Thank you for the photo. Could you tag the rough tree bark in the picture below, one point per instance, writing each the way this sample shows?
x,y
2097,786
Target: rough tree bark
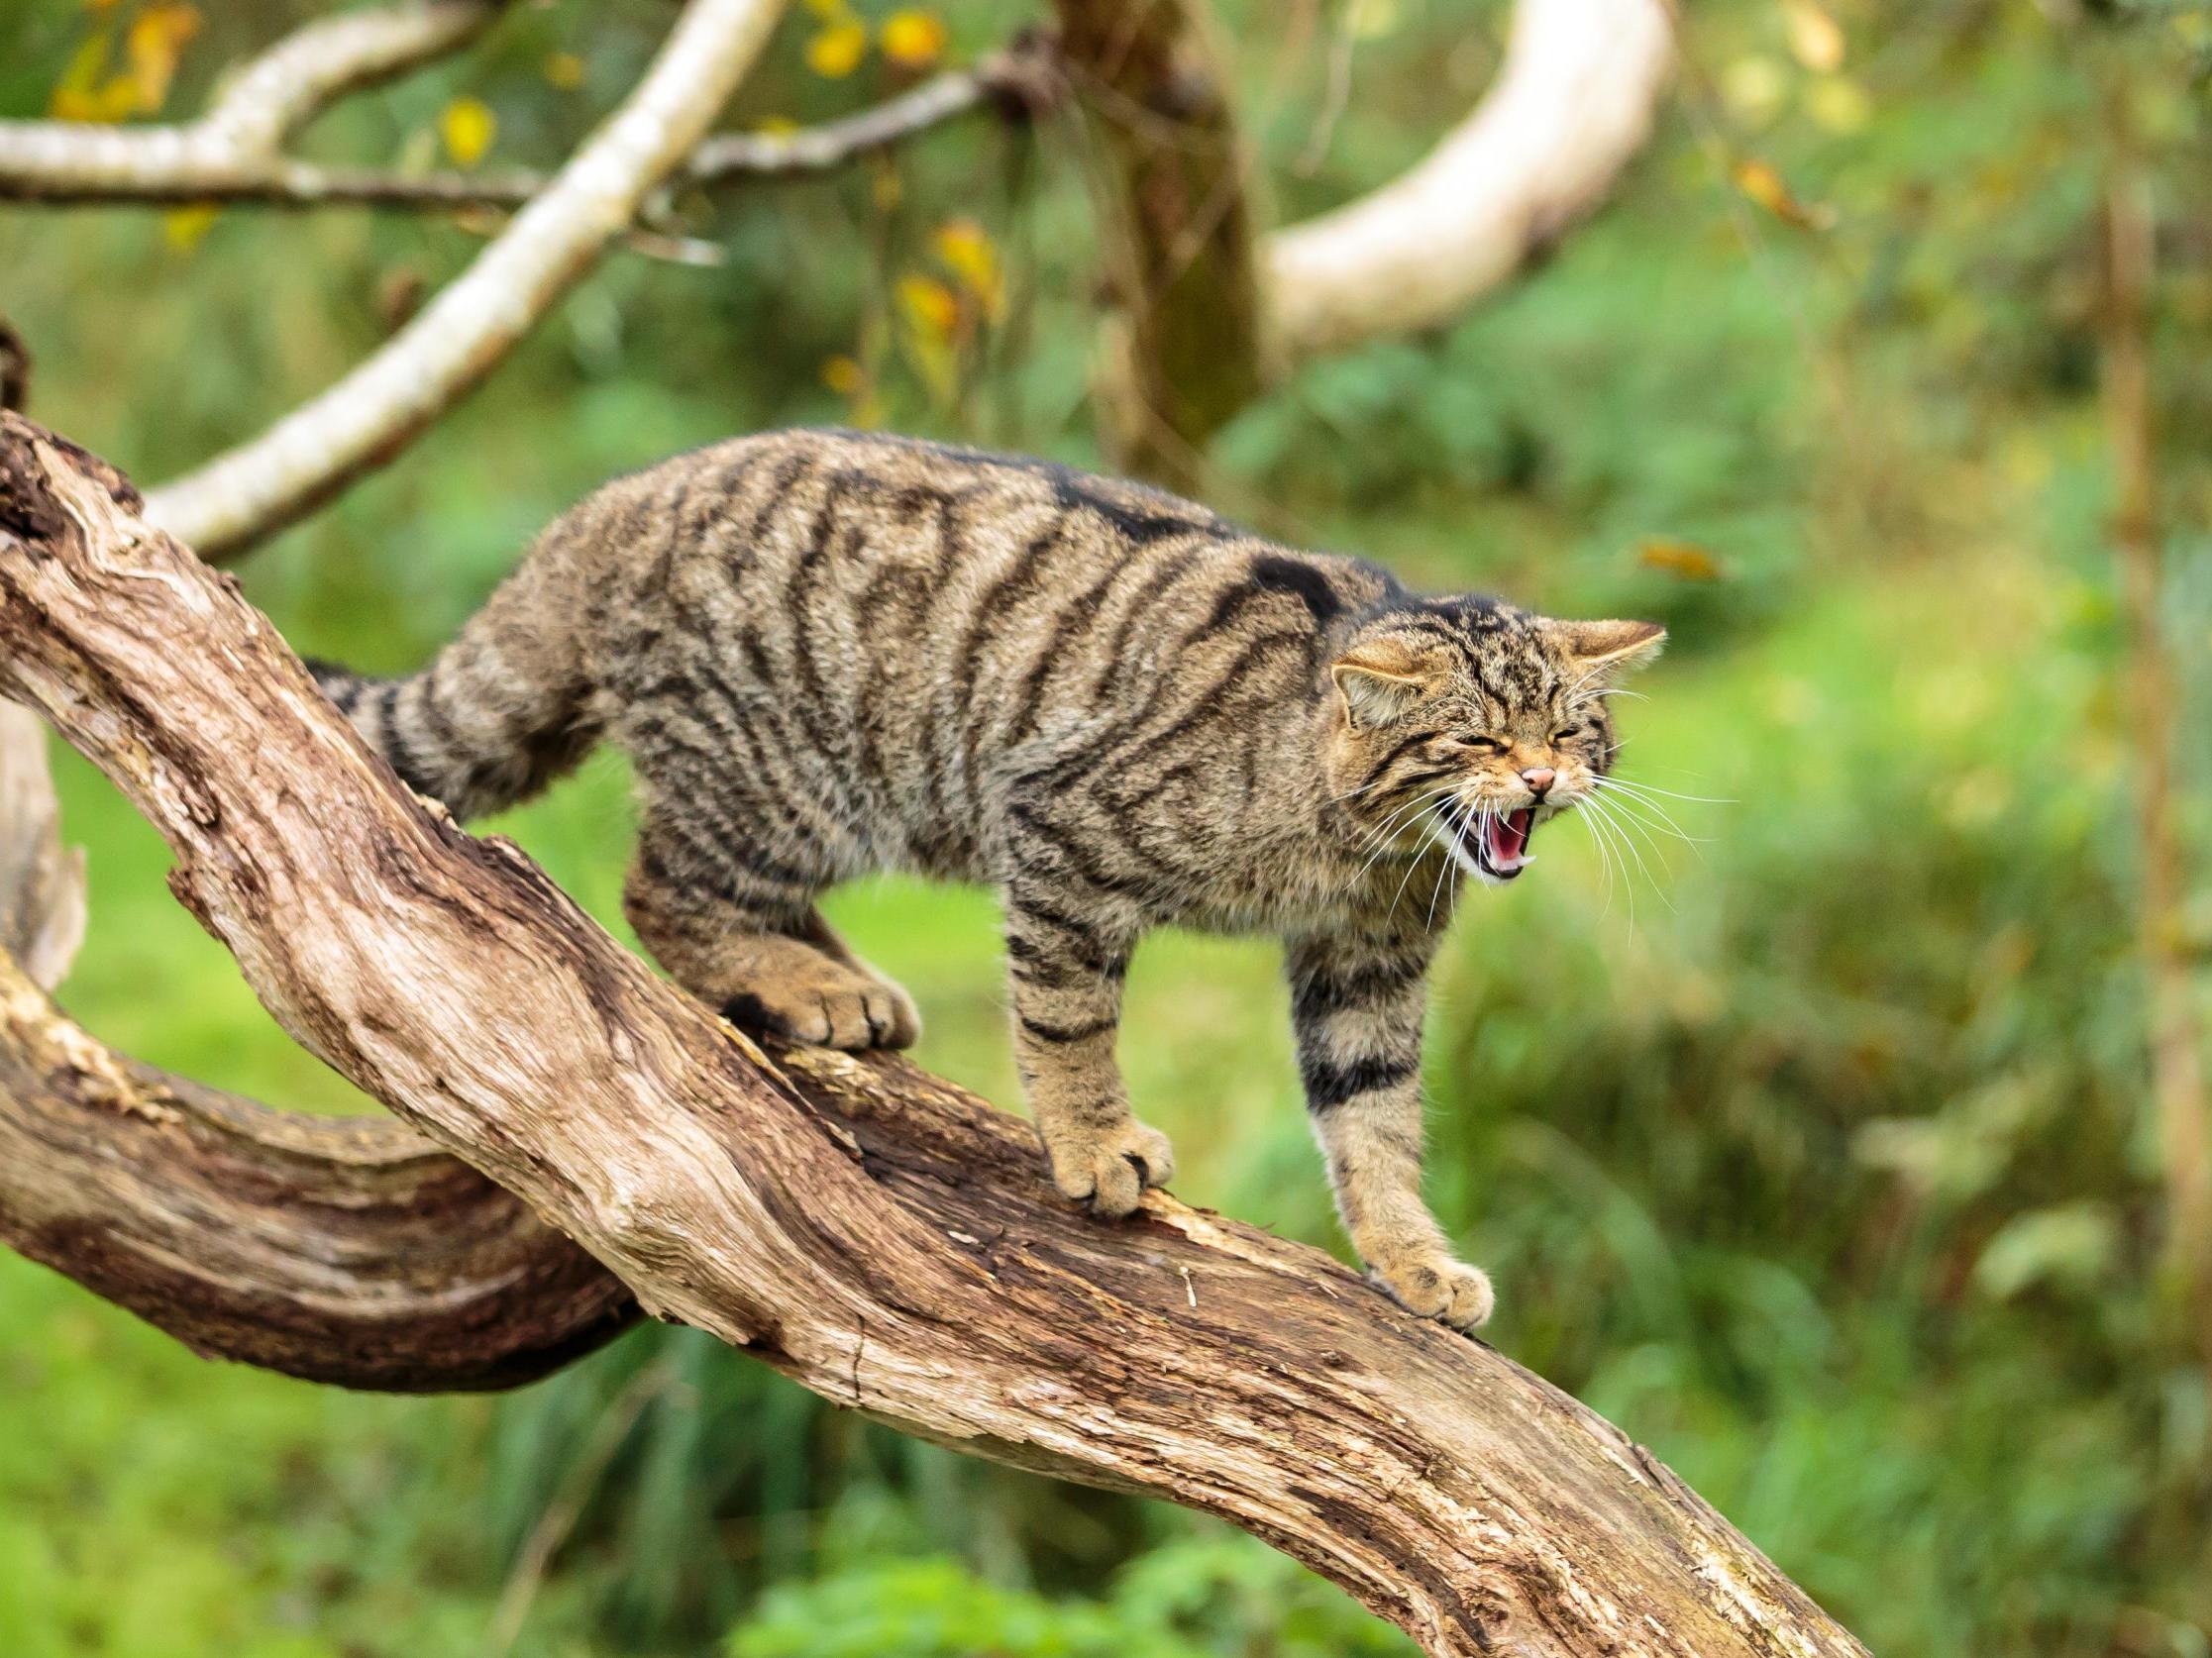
x,y
1182,352
348,1251
879,1235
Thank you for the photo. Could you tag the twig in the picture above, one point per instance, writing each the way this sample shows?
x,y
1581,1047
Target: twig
x,y
64,164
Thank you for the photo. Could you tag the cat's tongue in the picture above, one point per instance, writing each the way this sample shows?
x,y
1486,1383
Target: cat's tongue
x,y
1509,839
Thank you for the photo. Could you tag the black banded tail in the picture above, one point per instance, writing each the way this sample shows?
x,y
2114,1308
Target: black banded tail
x,y
501,712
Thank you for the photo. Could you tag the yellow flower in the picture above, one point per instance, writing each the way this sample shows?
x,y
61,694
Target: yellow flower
x,y
914,40
835,52
843,375
564,69
468,127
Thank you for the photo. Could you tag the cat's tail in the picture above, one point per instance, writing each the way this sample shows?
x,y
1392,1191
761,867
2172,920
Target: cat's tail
x,y
502,711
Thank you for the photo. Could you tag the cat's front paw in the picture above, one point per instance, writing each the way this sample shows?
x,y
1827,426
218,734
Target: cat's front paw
x,y
1436,1287
1109,1168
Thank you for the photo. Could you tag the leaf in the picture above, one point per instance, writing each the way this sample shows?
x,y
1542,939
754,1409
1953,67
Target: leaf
x,y
1816,39
835,52
966,250
1682,559
932,312
1372,20
468,128
2070,1244
914,40
1758,180
1753,88
930,308
185,228
74,96
157,39
1839,104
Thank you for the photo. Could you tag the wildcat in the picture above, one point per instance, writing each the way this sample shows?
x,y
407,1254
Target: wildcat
x,y
833,653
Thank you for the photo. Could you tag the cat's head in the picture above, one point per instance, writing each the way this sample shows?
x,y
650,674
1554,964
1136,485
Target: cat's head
x,y
1466,723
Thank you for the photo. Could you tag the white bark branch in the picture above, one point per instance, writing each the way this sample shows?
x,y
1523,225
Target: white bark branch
x,y
463,334
59,164
1573,101
234,145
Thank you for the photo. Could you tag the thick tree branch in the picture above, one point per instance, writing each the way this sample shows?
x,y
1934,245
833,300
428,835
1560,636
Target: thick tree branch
x,y
234,148
880,1236
1573,102
463,333
348,1251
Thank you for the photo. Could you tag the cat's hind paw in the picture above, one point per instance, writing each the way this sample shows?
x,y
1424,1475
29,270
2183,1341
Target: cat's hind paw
x,y
1109,1168
830,1005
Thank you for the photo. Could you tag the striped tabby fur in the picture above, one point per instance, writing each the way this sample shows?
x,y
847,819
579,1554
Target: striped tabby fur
x,y
830,653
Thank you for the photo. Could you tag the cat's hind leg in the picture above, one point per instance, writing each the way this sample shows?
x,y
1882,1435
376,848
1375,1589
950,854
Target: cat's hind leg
x,y
743,935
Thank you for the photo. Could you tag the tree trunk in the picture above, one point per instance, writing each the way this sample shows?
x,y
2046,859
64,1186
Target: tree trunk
x,y
879,1235
1183,349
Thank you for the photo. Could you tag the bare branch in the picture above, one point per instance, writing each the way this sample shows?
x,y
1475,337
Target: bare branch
x,y
1572,103
880,1236
1018,79
463,334
234,146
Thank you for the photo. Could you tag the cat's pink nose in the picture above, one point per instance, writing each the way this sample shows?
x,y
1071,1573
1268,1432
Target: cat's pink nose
x,y
1539,779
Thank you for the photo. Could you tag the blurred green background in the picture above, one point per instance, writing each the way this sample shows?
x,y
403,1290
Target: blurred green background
x,y
1815,1151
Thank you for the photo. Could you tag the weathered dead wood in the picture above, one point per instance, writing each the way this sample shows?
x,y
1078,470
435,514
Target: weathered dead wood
x,y
341,1250
873,1233
348,1251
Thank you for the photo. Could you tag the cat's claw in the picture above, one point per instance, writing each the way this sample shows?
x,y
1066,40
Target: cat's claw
x,y
1439,1288
1109,1169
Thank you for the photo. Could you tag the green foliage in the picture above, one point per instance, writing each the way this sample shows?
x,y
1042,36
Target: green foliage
x,y
1814,1153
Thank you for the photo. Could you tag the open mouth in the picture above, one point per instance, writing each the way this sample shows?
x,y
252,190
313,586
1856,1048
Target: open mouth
x,y
1497,842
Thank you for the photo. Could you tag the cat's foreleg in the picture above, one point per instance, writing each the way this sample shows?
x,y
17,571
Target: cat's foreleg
x,y
1357,1004
1066,972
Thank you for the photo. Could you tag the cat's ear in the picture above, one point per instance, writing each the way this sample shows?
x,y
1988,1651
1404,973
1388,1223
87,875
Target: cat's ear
x,y
1378,685
1611,648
